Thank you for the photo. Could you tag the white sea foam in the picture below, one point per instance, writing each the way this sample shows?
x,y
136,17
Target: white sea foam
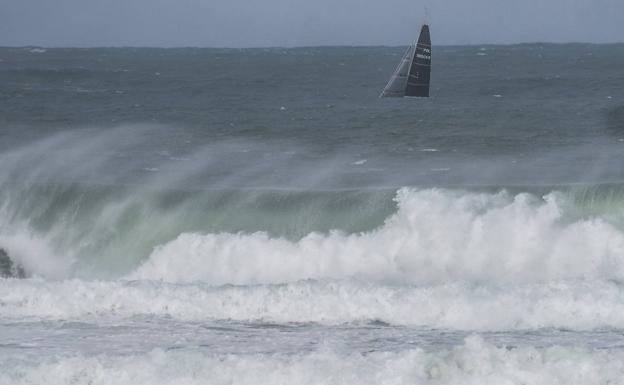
x,y
474,362
574,305
436,236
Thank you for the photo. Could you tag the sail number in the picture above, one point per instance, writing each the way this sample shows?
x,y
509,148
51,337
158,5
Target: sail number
x,y
426,54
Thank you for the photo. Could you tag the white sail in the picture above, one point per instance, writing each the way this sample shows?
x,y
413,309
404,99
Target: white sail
x,y
398,82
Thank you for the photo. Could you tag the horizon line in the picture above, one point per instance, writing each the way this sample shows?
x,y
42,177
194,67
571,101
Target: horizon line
x,y
296,47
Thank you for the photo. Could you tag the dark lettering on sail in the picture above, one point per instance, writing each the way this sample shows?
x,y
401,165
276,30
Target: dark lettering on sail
x,y
420,70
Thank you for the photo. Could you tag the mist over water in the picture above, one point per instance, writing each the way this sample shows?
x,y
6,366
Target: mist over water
x,y
62,200
178,223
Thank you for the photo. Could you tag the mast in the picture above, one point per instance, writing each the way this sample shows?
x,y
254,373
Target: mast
x,y
420,70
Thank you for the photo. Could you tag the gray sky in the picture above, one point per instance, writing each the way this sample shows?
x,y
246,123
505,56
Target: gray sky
x,y
261,23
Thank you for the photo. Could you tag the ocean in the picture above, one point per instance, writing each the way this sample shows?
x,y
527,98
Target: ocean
x,y
261,216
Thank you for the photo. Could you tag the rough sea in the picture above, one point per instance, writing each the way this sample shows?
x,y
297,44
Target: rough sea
x,y
260,216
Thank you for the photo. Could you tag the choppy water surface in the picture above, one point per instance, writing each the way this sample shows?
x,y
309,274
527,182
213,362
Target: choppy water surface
x,y
260,216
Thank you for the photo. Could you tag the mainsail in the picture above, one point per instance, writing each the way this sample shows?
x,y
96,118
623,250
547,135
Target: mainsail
x,y
411,78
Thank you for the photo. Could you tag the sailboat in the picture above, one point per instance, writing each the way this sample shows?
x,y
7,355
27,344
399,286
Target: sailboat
x,y
411,78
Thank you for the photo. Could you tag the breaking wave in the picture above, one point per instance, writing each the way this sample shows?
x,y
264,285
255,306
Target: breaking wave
x,y
436,236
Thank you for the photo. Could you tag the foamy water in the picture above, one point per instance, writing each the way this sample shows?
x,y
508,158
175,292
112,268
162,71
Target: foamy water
x,y
473,362
575,305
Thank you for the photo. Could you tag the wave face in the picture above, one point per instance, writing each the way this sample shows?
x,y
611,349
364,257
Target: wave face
x,y
473,362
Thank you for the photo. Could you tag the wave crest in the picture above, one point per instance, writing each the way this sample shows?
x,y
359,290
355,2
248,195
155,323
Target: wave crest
x,y
436,236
